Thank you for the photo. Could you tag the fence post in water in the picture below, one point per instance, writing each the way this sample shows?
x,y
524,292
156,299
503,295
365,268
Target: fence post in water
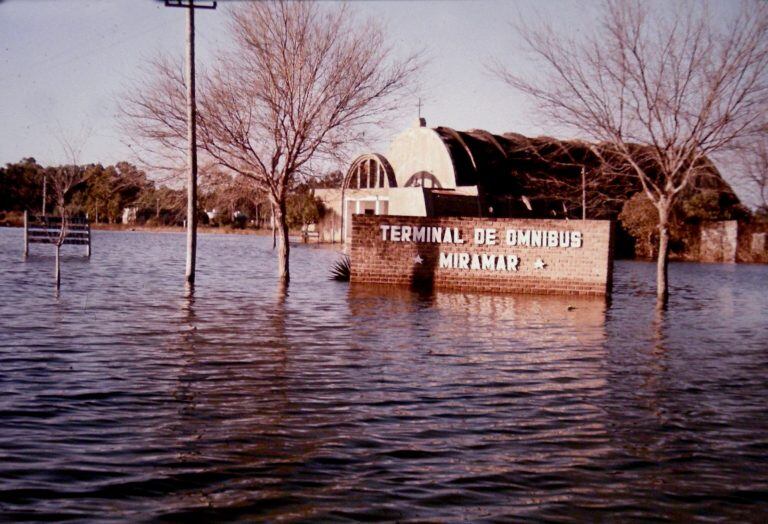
x,y
26,235
57,273
88,229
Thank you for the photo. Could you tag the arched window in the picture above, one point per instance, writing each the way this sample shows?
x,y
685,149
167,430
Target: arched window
x,y
370,171
423,179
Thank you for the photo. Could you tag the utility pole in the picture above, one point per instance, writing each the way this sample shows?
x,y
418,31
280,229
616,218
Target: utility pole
x,y
45,183
190,6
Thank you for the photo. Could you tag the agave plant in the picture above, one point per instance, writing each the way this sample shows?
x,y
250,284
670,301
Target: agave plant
x,y
342,269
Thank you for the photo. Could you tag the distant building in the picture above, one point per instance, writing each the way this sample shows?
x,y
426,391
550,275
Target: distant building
x,y
443,172
129,214
419,176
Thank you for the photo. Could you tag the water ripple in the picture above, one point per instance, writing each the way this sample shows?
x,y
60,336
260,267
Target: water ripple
x,y
122,399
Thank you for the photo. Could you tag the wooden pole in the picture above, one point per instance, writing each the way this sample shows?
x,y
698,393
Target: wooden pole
x,y
57,271
26,234
45,183
192,149
88,229
343,218
191,222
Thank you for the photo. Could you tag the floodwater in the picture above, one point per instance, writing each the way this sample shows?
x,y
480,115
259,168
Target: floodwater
x,y
124,400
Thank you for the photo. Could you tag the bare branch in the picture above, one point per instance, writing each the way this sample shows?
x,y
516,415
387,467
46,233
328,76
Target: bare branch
x,y
305,81
661,90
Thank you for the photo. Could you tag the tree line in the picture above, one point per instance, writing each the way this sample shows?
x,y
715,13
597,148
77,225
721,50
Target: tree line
x,y
104,192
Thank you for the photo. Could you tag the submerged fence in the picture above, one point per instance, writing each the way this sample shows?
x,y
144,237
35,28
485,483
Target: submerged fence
x,y
47,229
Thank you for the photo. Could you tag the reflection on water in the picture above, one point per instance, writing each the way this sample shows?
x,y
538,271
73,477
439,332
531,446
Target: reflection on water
x,y
129,398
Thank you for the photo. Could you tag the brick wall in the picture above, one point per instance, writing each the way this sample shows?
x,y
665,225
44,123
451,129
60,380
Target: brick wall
x,y
584,270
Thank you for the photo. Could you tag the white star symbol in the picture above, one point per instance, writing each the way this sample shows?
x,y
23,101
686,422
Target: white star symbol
x,y
539,264
417,259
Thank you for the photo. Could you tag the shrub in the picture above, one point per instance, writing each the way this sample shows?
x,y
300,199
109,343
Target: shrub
x,y
342,269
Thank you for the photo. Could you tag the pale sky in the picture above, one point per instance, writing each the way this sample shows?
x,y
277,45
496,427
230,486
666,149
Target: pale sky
x,y
64,62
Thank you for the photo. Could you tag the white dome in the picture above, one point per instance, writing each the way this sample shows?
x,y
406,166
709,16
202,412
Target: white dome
x,y
419,158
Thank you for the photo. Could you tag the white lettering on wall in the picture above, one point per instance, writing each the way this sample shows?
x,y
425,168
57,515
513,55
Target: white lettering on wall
x,y
419,234
395,233
479,236
405,234
576,239
485,236
447,237
482,236
437,234
542,238
457,237
479,261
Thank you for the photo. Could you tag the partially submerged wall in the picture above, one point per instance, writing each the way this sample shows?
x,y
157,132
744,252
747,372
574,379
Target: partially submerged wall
x,y
329,226
719,241
500,255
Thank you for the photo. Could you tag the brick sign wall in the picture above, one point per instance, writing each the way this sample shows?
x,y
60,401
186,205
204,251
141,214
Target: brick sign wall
x,y
502,255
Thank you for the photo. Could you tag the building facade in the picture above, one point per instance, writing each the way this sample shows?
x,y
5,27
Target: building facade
x,y
417,177
441,172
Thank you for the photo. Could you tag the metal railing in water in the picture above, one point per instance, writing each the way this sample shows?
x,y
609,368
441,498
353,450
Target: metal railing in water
x,y
47,229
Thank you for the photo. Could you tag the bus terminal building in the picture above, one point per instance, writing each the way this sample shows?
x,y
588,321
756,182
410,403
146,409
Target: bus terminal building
x,y
441,172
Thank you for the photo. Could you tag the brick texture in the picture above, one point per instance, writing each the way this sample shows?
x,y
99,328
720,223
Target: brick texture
x,y
584,270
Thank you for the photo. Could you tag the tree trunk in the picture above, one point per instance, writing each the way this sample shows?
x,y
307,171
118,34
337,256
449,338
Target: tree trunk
x,y
274,227
283,247
649,245
662,262
57,271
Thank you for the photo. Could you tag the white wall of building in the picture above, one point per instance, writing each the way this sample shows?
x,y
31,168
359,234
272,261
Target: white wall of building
x,y
421,150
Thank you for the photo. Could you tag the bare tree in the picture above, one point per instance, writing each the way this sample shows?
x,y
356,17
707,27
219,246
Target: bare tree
x,y
663,89
224,193
304,81
570,174
755,170
62,180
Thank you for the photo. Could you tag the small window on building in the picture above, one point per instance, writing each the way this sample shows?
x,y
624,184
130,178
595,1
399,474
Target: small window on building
x,y
423,179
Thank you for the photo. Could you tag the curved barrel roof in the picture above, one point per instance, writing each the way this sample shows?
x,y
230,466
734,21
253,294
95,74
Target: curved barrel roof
x,y
544,169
